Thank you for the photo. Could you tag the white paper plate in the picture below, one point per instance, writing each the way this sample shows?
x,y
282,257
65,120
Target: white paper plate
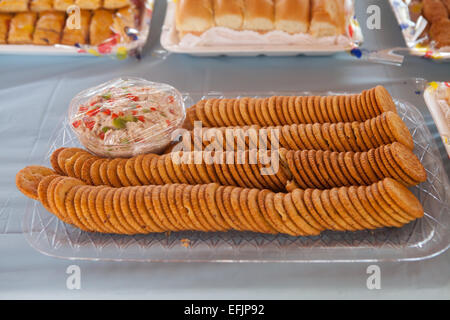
x,y
170,42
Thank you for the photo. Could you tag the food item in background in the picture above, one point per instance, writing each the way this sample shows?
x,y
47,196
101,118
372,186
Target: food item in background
x,y
5,20
209,208
294,109
72,36
259,15
125,23
434,10
229,13
62,5
27,179
13,5
194,16
126,116
22,28
41,5
48,28
89,4
101,26
440,32
292,16
116,4
327,18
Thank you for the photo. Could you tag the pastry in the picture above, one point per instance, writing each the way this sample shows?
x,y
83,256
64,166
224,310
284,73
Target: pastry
x,y
89,4
5,20
62,5
100,29
115,4
13,5
124,24
72,35
22,28
49,28
41,5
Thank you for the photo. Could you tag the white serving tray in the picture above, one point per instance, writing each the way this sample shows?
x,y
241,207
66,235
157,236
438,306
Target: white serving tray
x,y
439,118
170,41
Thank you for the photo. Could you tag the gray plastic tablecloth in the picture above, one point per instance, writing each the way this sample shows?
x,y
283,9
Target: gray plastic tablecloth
x,y
34,95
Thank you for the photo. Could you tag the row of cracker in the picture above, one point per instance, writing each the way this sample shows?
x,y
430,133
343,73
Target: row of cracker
x,y
293,169
279,110
349,136
211,207
324,170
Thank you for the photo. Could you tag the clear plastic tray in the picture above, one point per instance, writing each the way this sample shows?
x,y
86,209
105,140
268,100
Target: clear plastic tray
x,y
170,41
425,238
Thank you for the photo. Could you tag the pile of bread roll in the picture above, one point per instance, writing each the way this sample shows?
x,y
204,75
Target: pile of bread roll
x,y
45,22
318,17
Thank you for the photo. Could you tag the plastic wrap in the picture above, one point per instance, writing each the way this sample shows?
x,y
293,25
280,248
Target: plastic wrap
x,y
125,41
415,30
219,40
437,98
126,117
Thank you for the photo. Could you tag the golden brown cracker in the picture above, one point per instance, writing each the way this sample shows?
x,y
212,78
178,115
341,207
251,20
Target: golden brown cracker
x,y
127,213
350,208
350,166
374,202
78,165
280,208
145,210
27,179
339,218
339,207
65,155
384,100
121,173
61,188
272,215
131,173
335,138
361,194
336,168
342,109
399,130
403,198
54,161
315,197
94,172
112,173
42,190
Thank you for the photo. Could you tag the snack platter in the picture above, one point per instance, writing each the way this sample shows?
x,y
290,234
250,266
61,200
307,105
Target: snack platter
x,y
114,46
415,30
170,41
423,238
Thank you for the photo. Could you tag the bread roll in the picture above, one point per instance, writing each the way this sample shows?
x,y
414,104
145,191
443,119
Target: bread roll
x,y
292,16
5,19
328,18
21,28
229,13
73,36
259,15
194,16
49,28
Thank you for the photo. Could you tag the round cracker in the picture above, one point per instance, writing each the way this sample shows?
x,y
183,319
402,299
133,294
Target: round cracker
x,y
27,179
54,161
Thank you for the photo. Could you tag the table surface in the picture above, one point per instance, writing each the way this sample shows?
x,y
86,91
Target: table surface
x,y
34,95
